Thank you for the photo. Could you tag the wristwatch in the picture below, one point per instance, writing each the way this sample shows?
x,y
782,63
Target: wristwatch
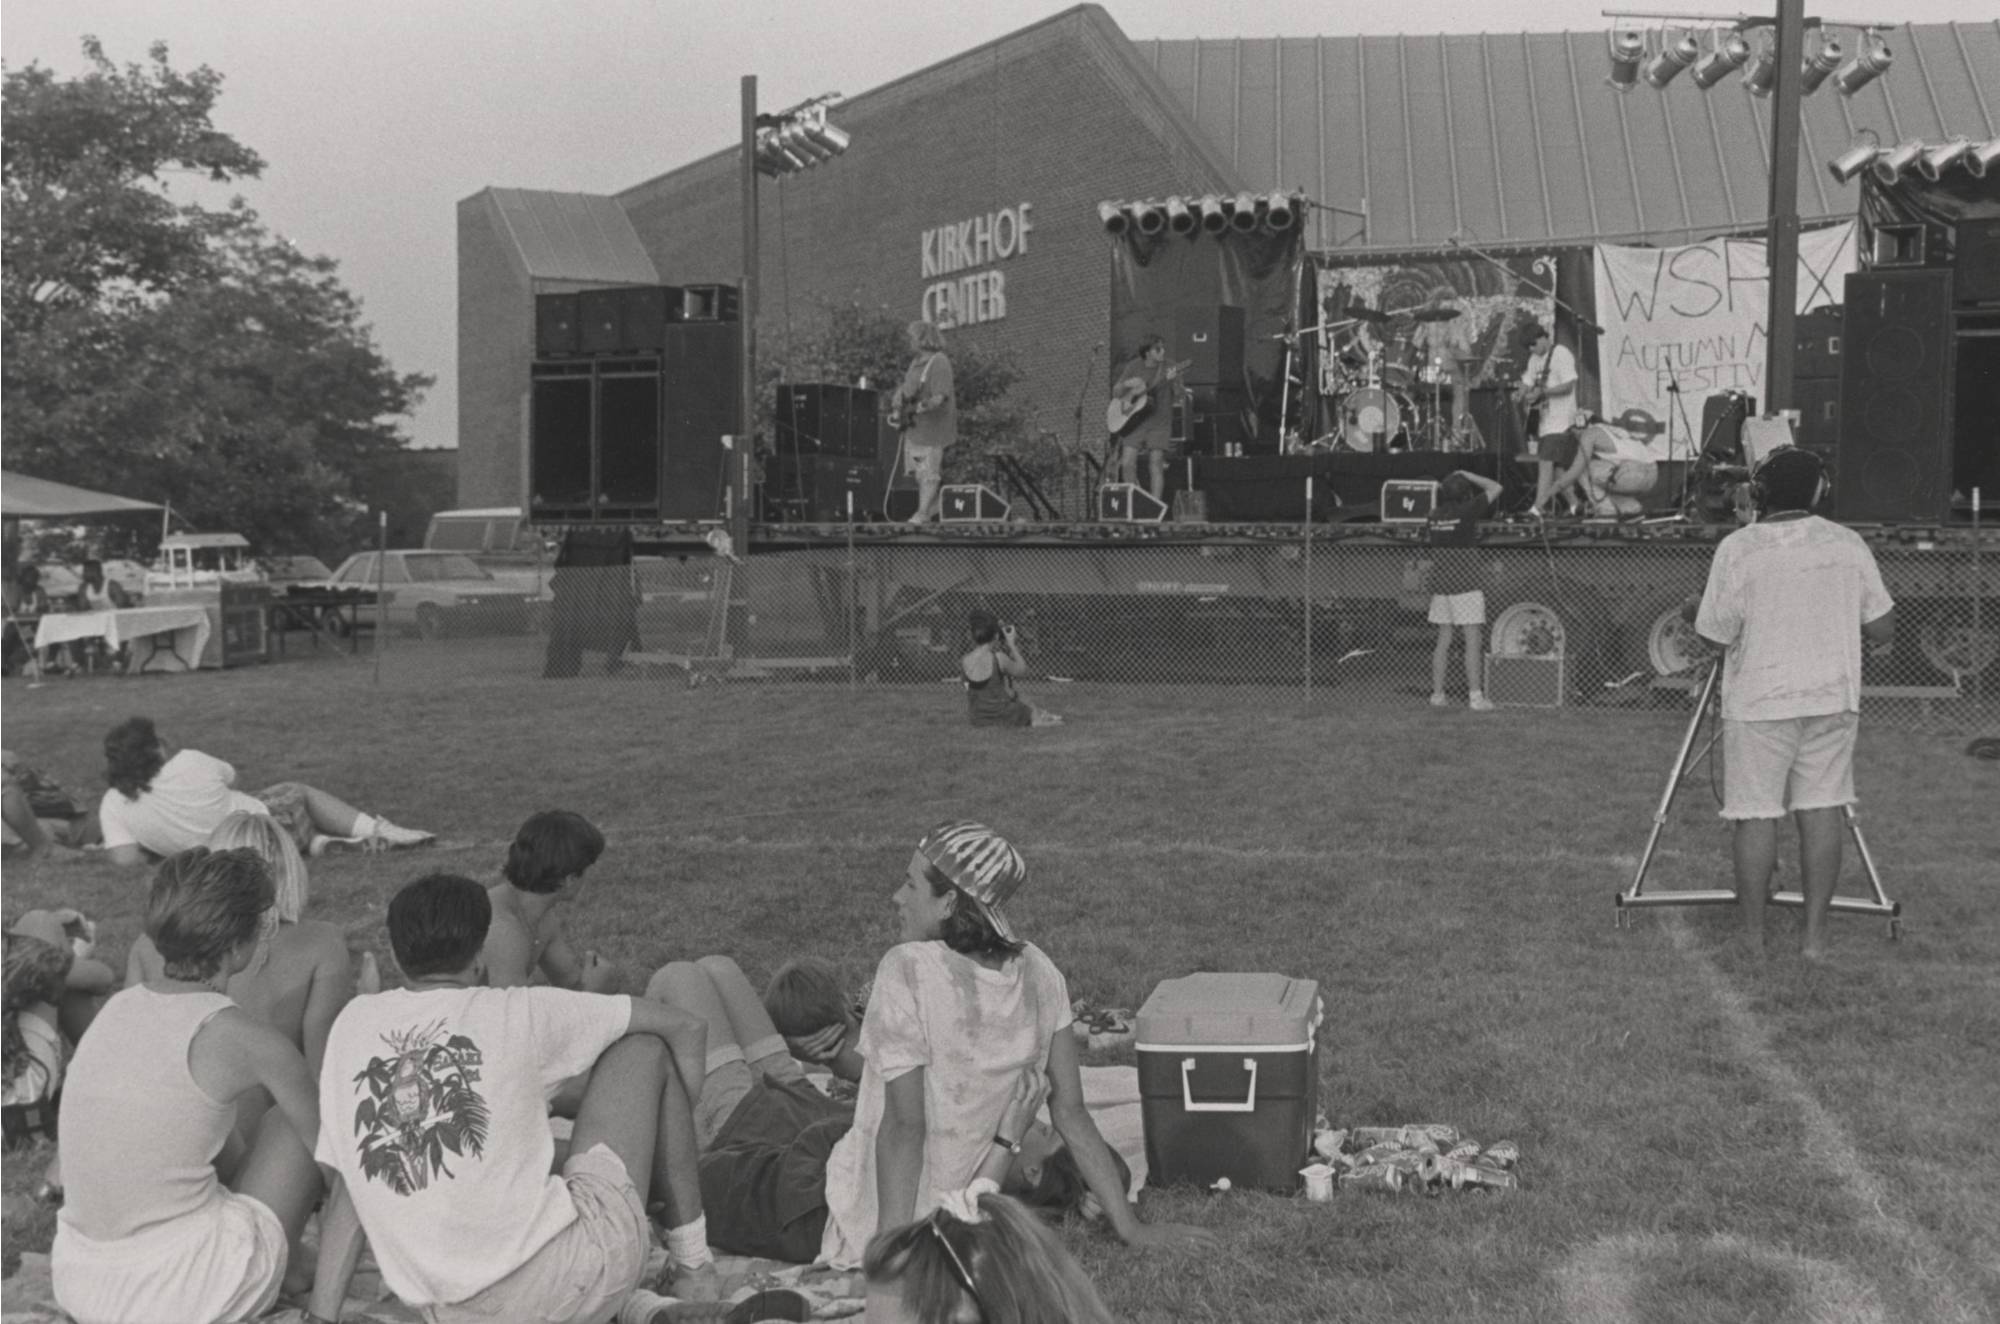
x,y
1011,1146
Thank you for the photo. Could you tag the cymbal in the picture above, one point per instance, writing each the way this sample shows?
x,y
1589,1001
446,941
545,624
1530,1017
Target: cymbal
x,y
1435,314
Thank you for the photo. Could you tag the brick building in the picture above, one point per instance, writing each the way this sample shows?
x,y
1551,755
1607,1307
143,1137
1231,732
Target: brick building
x,y
1006,150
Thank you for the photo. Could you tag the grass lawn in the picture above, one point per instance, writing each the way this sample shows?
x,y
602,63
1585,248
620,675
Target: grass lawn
x,y
1705,1136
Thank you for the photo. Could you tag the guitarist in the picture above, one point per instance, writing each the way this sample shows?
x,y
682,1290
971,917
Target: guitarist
x,y
1146,384
1547,395
925,412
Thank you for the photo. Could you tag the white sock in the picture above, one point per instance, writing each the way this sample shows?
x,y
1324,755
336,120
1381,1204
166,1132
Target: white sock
x,y
364,825
639,1307
687,1245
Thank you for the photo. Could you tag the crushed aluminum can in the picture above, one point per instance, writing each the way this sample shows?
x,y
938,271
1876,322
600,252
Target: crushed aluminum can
x,y
1380,1177
1463,1152
1501,1154
1478,1177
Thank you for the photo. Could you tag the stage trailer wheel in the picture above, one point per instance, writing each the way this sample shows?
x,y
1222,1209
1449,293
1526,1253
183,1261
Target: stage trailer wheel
x,y
1541,619
1661,642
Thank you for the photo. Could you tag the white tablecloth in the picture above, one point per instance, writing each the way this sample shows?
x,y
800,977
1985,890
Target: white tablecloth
x,y
163,638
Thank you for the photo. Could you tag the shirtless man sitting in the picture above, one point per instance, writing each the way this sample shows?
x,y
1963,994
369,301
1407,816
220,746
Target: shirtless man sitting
x,y
545,867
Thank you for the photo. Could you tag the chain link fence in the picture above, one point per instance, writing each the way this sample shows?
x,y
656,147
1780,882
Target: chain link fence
x,y
1583,616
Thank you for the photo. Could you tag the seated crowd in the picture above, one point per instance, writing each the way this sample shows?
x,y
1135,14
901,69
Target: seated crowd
x,y
239,1081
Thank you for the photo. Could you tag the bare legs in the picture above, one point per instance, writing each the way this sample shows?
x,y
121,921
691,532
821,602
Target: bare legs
x,y
1756,855
1129,457
279,1173
1474,636
739,1029
331,816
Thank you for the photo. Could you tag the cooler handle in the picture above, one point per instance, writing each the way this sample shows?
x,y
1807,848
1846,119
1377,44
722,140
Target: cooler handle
x,y
1249,1104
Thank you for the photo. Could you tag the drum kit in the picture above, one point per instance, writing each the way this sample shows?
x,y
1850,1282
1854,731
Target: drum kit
x,y
1387,395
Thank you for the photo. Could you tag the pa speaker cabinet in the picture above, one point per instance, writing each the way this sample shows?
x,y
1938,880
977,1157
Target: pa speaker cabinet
x,y
1817,339
624,319
1210,338
1895,397
701,376
1907,244
817,487
706,303
628,451
1818,401
971,503
1128,503
562,408
556,327
1515,680
1977,262
1408,500
829,419
1216,420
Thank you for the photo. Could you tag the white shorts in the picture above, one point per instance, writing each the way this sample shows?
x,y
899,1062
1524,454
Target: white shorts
x,y
921,462
224,1263
1770,769
1459,608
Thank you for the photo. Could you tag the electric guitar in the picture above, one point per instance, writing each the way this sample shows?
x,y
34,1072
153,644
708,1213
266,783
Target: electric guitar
x,y
909,405
1134,399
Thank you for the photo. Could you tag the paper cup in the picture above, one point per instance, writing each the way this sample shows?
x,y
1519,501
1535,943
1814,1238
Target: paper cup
x,y
1319,1182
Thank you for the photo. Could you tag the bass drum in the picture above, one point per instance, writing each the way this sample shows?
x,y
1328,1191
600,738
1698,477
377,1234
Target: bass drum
x,y
1371,416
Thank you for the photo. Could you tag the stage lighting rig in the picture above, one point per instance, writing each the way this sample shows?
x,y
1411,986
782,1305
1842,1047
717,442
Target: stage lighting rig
x,y
1855,159
798,139
1820,62
1731,53
1671,58
1889,165
1762,74
1982,158
1936,160
1628,50
1869,63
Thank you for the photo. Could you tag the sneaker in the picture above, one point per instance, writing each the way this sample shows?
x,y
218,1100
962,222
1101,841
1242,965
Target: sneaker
x,y
1479,703
1440,700
322,845
397,838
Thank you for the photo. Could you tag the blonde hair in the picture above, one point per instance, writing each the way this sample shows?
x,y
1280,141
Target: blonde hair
x,y
1018,1268
925,335
261,833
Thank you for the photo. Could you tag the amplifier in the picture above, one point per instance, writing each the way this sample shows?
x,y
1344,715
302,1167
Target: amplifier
x,y
1515,680
970,503
1408,500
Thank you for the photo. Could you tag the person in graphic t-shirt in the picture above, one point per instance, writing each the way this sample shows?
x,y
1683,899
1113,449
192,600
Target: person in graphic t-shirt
x,y
1458,595
437,1128
1548,389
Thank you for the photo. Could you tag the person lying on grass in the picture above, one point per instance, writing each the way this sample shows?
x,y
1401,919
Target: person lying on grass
x,y
164,800
959,1009
439,1137
170,1212
300,978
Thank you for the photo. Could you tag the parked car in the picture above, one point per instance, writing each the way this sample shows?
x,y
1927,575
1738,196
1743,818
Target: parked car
x,y
435,593
284,571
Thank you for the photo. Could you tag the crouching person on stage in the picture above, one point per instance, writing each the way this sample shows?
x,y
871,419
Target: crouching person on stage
x,y
169,1213
437,1129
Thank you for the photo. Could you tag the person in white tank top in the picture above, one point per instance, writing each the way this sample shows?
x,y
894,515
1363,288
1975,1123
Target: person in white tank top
x,y
169,1213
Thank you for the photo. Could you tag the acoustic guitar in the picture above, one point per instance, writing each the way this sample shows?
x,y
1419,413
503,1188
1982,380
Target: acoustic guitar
x,y
1134,400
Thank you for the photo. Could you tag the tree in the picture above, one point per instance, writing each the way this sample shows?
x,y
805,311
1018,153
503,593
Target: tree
x,y
169,350
849,342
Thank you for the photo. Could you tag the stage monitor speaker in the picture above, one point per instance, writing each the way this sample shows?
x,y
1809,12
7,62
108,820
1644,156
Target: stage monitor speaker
x,y
562,398
1409,500
1907,244
626,319
1722,416
1127,503
971,503
556,327
1977,262
628,438
1817,338
701,377
1895,397
826,419
1210,338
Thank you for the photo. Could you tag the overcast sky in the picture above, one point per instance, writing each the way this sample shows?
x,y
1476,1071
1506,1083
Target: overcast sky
x,y
376,116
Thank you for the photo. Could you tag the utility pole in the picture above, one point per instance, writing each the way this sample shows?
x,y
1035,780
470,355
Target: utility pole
x,y
740,455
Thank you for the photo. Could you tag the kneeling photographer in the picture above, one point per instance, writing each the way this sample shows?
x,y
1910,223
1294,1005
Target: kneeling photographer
x,y
989,671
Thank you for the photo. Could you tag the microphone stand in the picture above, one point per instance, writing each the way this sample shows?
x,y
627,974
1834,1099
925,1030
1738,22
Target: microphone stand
x,y
1083,392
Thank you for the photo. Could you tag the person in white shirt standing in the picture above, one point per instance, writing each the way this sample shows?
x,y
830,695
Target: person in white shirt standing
x,y
435,1100
1791,598
1547,389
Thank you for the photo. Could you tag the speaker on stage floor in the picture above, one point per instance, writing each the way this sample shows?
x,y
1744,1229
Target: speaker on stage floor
x,y
701,379
561,410
971,503
1978,262
594,439
1895,397
1128,503
829,419
814,489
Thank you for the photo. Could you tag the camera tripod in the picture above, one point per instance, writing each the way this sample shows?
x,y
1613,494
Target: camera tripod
x,y
1707,714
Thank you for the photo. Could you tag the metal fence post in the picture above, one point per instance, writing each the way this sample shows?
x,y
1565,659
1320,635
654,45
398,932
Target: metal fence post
x,y
1306,559
1978,597
853,598
381,598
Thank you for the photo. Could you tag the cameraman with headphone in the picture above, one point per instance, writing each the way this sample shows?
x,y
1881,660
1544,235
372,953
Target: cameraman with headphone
x,y
1791,597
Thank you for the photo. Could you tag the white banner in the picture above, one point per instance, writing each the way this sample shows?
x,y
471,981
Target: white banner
x,y
1691,321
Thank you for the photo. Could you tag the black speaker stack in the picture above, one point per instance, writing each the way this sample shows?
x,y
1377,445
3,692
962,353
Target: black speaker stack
x,y
1819,336
1209,338
829,443
631,392
1895,454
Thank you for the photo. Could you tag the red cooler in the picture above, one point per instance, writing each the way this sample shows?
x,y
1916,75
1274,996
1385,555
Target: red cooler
x,y
1229,1079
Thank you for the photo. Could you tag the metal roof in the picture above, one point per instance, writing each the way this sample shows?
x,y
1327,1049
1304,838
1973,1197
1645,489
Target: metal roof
x,y
573,237
1516,138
